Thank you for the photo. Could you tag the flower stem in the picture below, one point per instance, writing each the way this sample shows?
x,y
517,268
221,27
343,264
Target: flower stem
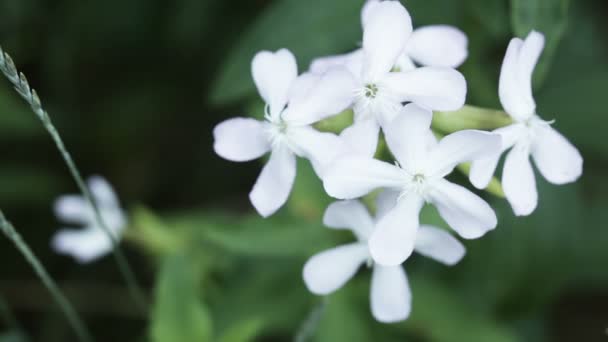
x,y
73,318
311,323
8,68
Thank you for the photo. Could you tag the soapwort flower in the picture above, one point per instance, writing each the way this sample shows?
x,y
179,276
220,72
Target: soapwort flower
x,y
91,242
418,176
390,294
380,91
555,157
293,104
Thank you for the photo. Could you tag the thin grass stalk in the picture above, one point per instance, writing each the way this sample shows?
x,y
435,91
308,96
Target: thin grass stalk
x,y
77,324
8,68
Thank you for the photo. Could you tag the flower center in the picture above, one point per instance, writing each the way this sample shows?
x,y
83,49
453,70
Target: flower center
x,y
370,90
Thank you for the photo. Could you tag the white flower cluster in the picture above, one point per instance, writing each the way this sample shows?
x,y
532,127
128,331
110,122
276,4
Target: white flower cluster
x,y
393,84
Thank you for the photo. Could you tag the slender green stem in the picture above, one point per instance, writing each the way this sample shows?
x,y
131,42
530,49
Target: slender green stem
x,y
311,323
7,66
73,318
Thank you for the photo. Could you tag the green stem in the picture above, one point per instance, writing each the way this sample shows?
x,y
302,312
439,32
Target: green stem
x,y
73,318
7,66
311,323
470,117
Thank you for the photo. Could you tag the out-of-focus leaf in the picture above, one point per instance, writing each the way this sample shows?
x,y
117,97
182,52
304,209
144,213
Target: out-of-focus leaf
x,y
12,336
179,314
440,315
308,199
493,15
26,185
547,16
150,231
243,331
308,28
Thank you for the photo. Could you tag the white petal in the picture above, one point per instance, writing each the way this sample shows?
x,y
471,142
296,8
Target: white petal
x,y
73,209
385,34
482,169
515,86
368,7
518,181
352,176
103,192
353,61
85,245
362,137
438,244
391,297
329,270
273,73
438,45
349,214
435,88
556,158
406,135
460,147
405,63
332,94
302,85
321,148
240,139
393,240
385,202
469,215
274,184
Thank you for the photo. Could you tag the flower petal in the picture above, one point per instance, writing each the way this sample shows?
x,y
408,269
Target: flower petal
x,y
556,158
103,192
391,297
515,85
85,245
274,184
438,45
329,270
73,209
469,215
273,73
385,202
332,94
362,137
406,135
518,181
387,28
393,240
438,244
240,139
349,214
435,88
460,147
353,61
321,148
482,169
352,176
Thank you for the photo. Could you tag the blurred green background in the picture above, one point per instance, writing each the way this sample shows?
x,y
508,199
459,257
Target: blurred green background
x,y
135,88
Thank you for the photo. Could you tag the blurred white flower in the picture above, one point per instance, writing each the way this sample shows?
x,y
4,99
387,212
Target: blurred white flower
x,y
293,104
418,177
390,294
380,91
555,157
91,242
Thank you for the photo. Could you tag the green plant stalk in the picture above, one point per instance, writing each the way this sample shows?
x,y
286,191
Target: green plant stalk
x,y
311,323
73,318
7,66
470,117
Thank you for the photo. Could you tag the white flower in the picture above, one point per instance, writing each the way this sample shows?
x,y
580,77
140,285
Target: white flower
x,y
380,92
91,242
292,105
418,177
390,294
433,45
555,157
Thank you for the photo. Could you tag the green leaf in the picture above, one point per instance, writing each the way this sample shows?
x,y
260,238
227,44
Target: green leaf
x,y
242,331
308,28
547,16
179,314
